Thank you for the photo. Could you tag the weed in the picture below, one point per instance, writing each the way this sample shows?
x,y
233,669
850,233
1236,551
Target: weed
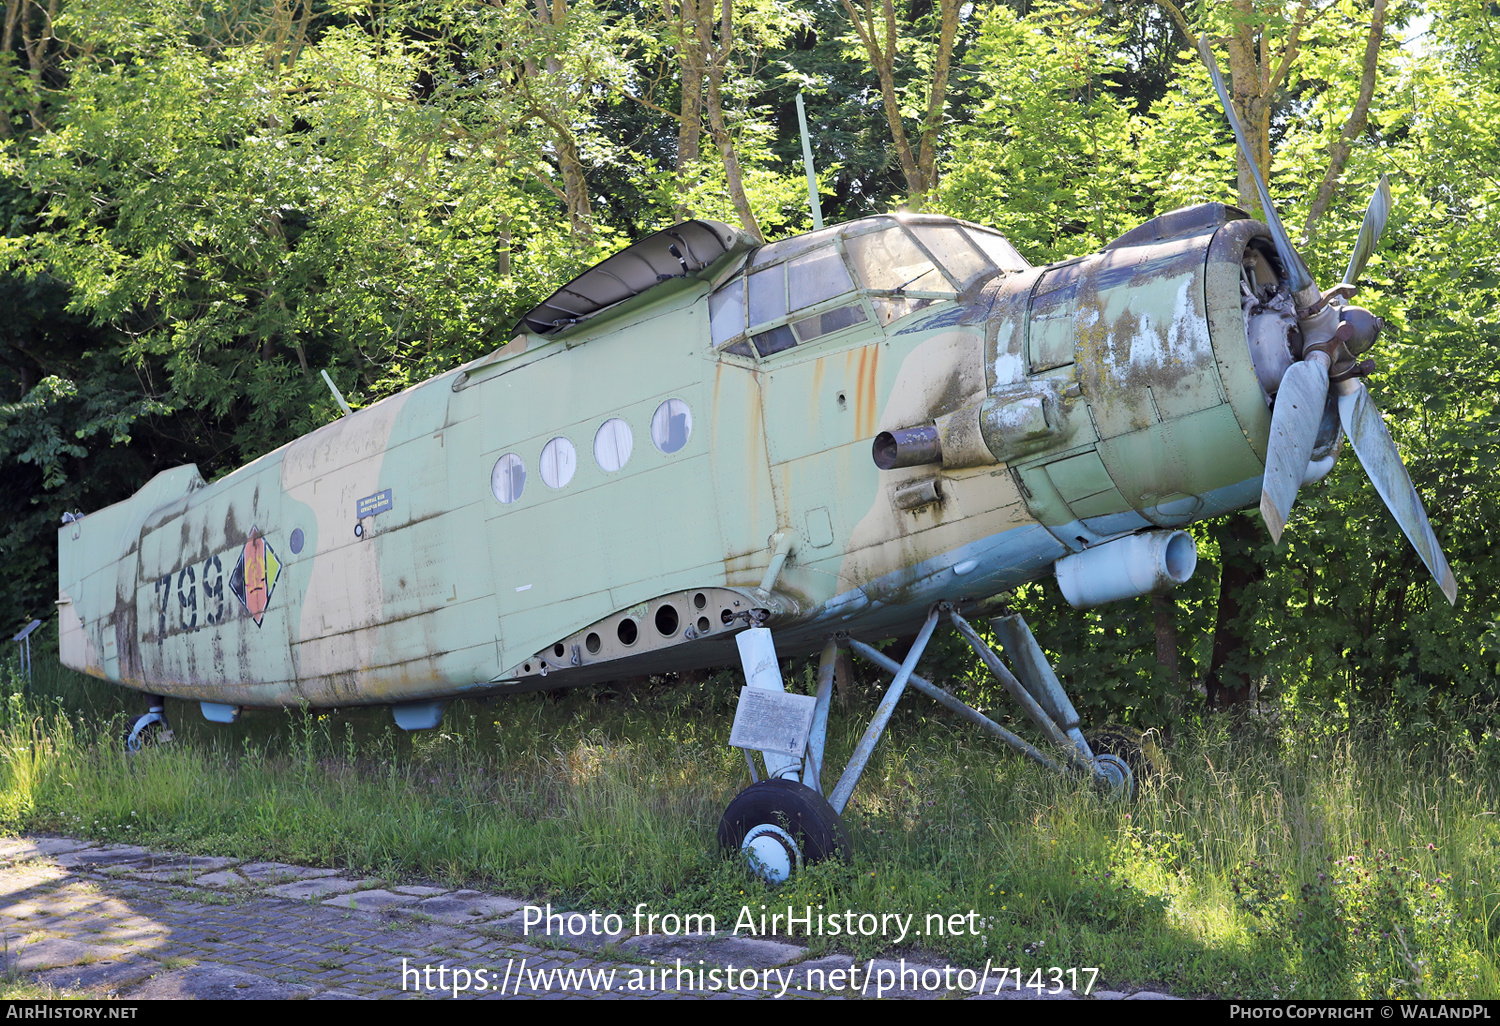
x,y
609,798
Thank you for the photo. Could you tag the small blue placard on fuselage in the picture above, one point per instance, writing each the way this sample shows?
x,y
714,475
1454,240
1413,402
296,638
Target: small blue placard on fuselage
x,y
373,504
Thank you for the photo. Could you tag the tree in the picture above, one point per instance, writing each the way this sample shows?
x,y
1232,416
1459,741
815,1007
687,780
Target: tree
x,y
880,36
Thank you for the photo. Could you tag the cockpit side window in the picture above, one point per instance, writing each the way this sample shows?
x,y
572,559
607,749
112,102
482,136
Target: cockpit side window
x,y
817,276
767,294
726,310
771,300
817,279
814,285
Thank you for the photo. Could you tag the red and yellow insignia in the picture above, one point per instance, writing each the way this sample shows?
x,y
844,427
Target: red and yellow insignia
x,y
254,576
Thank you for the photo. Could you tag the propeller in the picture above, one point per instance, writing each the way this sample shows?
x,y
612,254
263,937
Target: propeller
x,y
1334,334
1376,214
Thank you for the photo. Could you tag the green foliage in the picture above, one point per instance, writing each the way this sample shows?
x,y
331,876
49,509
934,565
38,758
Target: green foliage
x,y
1044,149
1367,922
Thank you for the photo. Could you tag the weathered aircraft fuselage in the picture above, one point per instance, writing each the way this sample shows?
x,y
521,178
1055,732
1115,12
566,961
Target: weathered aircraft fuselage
x,y
612,491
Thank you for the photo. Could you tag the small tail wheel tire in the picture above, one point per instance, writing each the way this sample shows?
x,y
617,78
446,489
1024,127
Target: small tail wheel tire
x,y
142,735
777,826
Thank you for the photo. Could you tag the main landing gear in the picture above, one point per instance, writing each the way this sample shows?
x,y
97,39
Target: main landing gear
x,y
780,823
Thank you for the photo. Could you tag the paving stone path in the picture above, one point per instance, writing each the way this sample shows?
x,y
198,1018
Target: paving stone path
x,y
117,920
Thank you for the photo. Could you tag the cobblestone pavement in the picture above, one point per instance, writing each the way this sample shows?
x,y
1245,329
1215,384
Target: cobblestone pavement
x,y
114,920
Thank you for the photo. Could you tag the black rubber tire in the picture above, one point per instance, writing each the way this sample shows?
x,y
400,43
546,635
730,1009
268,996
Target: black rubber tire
x,y
797,809
1138,750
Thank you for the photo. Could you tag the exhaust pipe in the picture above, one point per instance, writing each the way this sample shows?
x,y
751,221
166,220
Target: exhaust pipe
x,y
907,447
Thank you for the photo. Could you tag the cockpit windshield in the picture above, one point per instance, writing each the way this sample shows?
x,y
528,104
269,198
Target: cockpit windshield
x,y
880,268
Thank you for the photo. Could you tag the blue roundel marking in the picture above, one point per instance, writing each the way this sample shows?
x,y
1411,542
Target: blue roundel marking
x,y
296,540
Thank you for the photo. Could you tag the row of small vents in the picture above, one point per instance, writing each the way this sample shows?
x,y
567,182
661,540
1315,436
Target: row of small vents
x,y
627,631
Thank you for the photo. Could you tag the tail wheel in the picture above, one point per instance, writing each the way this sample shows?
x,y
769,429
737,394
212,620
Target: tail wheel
x,y
145,730
778,825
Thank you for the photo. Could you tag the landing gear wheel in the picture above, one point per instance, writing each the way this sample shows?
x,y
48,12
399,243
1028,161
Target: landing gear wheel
x,y
146,730
1139,751
777,825
1116,776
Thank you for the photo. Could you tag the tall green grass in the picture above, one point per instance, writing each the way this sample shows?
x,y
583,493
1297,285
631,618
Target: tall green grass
x,y
1263,862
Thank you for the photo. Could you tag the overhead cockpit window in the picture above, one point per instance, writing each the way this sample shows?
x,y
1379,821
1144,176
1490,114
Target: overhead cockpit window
x,y
788,248
890,260
1001,253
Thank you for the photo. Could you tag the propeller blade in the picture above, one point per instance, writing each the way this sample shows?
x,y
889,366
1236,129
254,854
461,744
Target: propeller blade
x,y
1377,454
1294,430
1377,212
1297,278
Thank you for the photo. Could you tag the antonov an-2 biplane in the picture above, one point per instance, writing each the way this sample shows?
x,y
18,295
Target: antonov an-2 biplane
x,y
704,443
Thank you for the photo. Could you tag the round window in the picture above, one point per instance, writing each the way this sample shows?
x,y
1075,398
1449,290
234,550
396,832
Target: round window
x,y
612,445
508,479
671,425
559,460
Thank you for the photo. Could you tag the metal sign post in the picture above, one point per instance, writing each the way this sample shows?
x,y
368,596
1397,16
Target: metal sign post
x,y
24,640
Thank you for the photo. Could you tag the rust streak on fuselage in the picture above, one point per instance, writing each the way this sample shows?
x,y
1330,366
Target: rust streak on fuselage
x,y
872,407
866,402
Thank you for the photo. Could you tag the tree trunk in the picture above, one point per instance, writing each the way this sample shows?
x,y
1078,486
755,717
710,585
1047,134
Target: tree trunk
x,y
883,61
1339,154
690,110
1240,569
717,61
1164,617
932,125
569,161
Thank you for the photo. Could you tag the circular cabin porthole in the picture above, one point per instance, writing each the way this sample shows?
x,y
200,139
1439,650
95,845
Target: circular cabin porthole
x,y
671,425
612,445
559,461
508,479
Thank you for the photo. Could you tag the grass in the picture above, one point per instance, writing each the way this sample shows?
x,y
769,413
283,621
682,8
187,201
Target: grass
x,y
1264,863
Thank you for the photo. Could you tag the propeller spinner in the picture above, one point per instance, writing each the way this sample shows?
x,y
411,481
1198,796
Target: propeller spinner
x,y
1333,335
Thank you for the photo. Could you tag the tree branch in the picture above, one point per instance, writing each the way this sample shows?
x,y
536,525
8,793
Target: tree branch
x,y
1177,16
1339,154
